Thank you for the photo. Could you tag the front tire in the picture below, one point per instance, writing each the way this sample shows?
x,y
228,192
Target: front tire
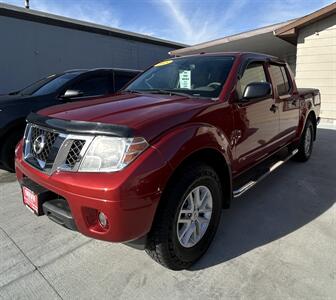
x,y
306,143
187,220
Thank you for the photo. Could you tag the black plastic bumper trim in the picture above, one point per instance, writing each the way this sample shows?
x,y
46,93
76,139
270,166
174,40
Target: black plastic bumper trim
x,y
43,194
58,211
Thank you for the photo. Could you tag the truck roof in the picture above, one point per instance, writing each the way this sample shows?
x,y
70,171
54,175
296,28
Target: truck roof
x,y
238,54
102,69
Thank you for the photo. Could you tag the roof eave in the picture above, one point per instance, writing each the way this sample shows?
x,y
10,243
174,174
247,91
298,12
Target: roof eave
x,y
199,48
290,31
289,36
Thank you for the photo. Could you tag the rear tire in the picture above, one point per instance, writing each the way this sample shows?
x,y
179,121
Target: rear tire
x,y
7,154
306,143
187,219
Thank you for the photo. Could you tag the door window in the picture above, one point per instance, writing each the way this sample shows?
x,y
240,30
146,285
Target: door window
x,y
120,80
93,86
49,85
280,79
254,72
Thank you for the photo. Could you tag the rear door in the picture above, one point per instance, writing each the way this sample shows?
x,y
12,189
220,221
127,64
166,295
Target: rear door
x,y
256,120
287,101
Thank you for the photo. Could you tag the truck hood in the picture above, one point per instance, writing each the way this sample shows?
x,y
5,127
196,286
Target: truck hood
x,y
147,115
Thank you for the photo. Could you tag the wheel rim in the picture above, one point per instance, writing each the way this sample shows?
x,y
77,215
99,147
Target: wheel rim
x,y
194,216
308,140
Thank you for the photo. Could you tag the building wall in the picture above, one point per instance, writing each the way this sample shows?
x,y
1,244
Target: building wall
x,y
316,62
290,58
30,51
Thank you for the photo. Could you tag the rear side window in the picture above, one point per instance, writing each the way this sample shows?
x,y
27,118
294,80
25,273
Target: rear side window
x,y
280,79
120,80
253,73
94,86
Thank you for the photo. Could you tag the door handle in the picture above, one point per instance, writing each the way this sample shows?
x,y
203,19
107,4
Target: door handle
x,y
273,108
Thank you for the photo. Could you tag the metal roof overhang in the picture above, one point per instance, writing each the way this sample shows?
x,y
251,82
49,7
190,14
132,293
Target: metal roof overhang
x,y
264,43
13,11
260,40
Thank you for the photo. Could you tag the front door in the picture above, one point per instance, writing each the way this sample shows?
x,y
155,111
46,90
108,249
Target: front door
x,y
256,121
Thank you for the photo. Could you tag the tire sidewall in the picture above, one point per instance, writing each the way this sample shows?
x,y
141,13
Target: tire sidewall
x,y
193,253
309,126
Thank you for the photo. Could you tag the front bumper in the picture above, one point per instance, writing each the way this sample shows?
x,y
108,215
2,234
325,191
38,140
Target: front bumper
x,y
128,198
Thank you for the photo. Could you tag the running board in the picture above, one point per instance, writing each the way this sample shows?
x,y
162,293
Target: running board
x,y
237,193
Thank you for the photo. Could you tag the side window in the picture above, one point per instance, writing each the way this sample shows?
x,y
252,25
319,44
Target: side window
x,y
94,86
280,79
120,80
253,73
286,80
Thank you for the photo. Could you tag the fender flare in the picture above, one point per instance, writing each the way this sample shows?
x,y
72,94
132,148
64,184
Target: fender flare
x,y
306,110
183,142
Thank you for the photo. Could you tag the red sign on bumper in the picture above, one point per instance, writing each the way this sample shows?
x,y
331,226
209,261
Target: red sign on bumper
x,y
30,199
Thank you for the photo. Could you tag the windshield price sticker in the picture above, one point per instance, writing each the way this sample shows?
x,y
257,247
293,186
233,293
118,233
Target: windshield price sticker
x,y
185,79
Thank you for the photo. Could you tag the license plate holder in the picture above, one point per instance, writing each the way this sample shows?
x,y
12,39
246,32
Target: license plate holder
x,y
34,196
30,199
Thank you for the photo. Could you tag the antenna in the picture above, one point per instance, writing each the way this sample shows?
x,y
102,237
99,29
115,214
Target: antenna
x,y
27,4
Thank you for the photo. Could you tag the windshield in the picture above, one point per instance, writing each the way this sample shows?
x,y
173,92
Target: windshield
x,y
198,76
48,85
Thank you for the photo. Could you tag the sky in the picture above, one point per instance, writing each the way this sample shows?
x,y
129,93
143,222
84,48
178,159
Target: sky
x,y
185,21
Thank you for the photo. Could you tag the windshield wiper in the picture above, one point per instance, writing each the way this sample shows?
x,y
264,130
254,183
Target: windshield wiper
x,y
168,92
131,91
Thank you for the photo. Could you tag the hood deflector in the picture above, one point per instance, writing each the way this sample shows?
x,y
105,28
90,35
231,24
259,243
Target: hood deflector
x,y
80,127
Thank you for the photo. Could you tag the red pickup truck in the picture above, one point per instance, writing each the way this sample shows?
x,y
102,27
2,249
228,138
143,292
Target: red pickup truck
x,y
153,165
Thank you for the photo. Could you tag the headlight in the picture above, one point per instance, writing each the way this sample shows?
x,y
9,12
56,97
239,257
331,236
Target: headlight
x,y
109,154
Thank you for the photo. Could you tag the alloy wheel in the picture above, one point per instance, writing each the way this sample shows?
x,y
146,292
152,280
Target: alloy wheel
x,y
194,216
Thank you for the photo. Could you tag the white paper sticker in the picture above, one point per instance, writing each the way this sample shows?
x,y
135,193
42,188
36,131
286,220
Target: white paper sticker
x,y
185,79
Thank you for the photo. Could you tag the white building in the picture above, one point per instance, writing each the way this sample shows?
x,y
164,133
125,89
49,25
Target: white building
x,y
308,44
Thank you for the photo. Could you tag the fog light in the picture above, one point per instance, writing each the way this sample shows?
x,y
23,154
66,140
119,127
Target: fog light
x,y
102,220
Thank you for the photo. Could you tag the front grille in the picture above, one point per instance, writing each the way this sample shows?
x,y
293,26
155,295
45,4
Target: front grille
x,y
74,153
49,150
49,138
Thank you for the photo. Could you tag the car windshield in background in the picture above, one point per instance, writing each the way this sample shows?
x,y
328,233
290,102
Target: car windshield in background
x,y
48,85
201,76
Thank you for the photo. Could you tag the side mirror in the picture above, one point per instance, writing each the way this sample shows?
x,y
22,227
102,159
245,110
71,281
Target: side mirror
x,y
69,94
257,90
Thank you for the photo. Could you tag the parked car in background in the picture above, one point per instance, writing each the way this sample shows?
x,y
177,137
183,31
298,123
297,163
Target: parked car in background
x,y
69,86
154,165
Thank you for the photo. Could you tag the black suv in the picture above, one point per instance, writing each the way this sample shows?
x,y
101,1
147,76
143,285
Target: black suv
x,y
71,85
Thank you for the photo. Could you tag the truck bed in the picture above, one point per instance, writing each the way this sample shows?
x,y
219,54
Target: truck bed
x,y
304,92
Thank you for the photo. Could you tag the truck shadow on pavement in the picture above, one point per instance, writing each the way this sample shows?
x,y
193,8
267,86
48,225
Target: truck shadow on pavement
x,y
290,198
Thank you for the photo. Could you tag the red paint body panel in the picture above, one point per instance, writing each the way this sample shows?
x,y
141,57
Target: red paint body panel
x,y
176,127
128,198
